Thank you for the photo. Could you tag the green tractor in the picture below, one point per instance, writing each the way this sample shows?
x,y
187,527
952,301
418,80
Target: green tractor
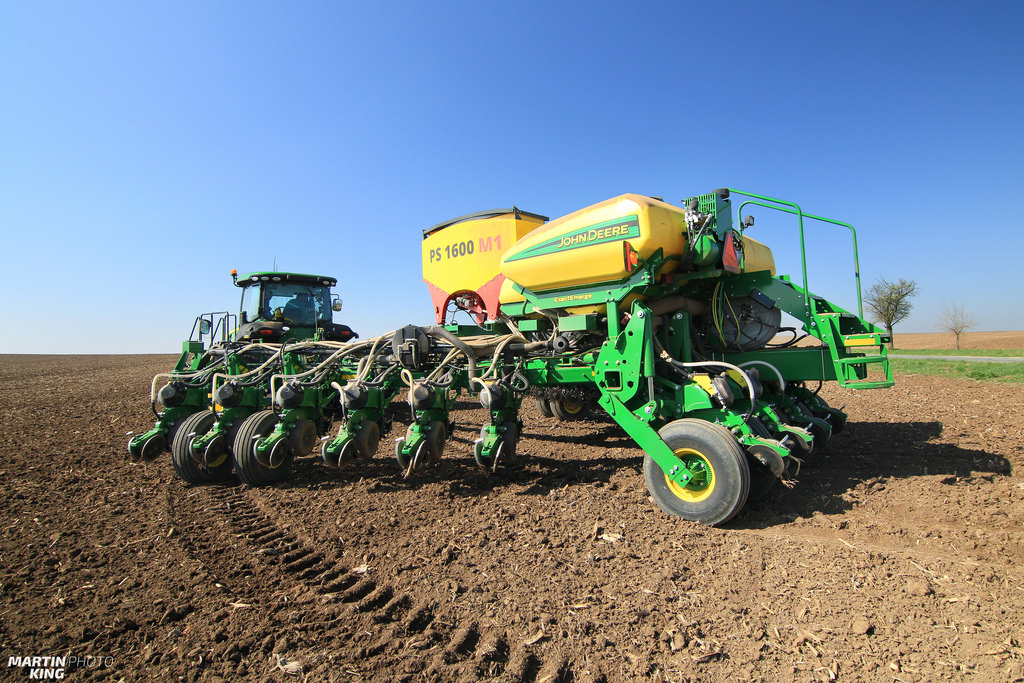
x,y
281,306
225,370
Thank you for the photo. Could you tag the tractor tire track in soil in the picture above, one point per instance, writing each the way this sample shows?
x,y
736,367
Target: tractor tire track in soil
x,y
898,558
397,631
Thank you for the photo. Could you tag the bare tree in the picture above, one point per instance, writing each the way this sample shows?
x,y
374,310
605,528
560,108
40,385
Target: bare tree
x,y
890,302
956,318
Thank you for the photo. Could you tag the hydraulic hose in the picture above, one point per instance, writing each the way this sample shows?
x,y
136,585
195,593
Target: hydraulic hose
x,y
677,302
437,331
711,363
366,362
729,366
497,353
774,369
530,347
342,351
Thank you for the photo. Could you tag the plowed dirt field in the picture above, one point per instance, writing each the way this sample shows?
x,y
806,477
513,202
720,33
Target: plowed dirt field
x,y
900,557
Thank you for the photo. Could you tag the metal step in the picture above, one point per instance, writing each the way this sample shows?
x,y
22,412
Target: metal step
x,y
861,339
857,360
866,384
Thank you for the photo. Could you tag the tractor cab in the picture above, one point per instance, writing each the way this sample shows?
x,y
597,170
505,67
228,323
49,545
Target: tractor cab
x,y
281,306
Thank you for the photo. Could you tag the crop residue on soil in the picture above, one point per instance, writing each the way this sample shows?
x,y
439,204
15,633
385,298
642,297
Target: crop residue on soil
x,y
899,558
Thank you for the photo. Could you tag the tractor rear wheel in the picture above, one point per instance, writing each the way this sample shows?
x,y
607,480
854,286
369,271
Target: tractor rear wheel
x,y
185,465
247,466
721,481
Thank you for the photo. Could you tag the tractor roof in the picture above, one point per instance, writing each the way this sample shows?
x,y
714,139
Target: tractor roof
x,y
273,276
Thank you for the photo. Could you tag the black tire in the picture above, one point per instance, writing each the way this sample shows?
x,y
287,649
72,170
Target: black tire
x,y
437,435
544,406
248,468
822,439
367,439
722,484
512,431
187,467
836,418
403,460
569,408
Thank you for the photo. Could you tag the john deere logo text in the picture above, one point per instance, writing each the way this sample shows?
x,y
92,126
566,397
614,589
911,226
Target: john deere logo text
x,y
590,236
609,231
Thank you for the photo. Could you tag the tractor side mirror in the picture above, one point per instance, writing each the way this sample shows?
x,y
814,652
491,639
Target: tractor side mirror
x,y
748,222
205,326
336,305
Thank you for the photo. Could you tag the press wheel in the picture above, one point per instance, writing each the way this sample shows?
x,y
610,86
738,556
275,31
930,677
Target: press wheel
x,y
367,439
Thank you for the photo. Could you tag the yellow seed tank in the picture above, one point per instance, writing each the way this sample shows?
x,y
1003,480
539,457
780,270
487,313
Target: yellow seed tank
x,y
476,260
588,246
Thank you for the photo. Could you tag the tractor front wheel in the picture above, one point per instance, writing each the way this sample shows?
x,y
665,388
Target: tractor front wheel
x,y
185,464
249,469
721,477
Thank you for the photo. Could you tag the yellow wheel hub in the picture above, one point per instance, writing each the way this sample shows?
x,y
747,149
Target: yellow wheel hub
x,y
703,481
571,407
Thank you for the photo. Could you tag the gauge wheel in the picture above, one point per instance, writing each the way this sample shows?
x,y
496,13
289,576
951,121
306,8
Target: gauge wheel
x,y
568,408
437,434
721,476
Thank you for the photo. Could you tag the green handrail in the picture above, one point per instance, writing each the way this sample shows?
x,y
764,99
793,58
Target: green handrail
x,y
796,210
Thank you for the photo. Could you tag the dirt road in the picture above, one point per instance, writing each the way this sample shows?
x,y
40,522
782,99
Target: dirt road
x,y
899,558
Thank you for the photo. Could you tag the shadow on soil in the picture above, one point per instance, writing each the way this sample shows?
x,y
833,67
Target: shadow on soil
x,y
540,474
874,452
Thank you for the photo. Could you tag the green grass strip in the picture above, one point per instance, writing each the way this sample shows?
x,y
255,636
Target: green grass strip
x,y
998,353
987,372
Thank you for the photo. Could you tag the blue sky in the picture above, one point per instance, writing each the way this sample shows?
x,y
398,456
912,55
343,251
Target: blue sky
x,y
149,148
